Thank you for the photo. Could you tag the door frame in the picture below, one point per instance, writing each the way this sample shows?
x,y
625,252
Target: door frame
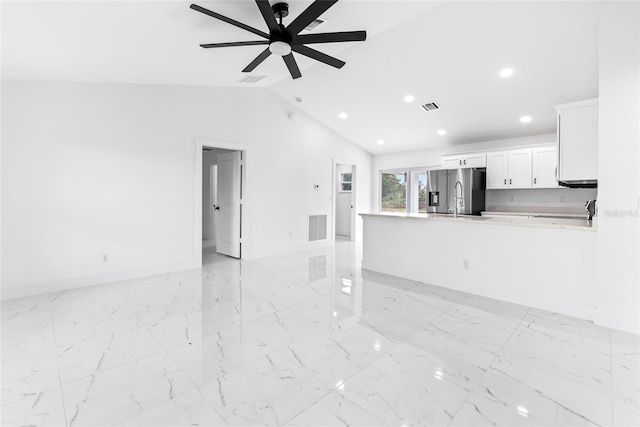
x,y
200,143
334,194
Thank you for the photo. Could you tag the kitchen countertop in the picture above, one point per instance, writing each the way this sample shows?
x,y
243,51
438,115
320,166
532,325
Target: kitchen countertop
x,y
520,220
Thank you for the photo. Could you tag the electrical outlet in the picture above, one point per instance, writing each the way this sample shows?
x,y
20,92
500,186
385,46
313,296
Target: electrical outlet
x,y
105,257
465,264
561,199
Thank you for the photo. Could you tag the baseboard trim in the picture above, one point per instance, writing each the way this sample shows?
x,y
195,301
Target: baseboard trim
x,y
569,308
621,321
20,291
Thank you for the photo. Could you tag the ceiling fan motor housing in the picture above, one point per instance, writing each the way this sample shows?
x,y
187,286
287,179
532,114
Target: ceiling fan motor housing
x,y
281,10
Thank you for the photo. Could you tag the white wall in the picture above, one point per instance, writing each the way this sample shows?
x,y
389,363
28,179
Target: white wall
x,y
551,269
343,204
618,277
89,169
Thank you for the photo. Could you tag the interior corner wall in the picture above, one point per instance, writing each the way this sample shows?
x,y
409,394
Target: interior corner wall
x,y
618,269
91,169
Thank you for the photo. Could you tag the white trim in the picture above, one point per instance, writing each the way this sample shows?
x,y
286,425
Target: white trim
x,y
334,195
621,321
576,104
245,201
80,282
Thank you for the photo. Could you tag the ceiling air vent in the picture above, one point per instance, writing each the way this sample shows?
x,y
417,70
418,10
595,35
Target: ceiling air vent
x,y
251,79
315,23
430,106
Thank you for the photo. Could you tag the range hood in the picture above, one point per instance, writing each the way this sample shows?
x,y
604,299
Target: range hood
x,y
592,183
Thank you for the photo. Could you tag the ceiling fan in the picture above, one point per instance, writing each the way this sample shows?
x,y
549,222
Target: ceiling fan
x,y
283,40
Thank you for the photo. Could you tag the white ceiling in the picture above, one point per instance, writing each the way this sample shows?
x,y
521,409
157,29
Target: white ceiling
x,y
450,52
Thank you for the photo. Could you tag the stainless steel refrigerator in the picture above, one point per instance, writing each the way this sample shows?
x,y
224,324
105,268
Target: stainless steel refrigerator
x,y
442,191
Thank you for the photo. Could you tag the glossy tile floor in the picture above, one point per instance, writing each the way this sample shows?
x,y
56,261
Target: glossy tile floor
x,y
306,339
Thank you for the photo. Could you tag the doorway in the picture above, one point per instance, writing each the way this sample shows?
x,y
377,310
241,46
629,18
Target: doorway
x,y
344,197
221,168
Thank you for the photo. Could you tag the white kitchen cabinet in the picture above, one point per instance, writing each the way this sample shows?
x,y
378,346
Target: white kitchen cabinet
x,y
545,167
471,160
520,168
578,141
497,170
509,169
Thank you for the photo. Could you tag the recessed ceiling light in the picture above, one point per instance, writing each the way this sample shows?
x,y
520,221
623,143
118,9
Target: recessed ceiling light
x,y
442,132
525,119
380,142
409,98
506,72
343,115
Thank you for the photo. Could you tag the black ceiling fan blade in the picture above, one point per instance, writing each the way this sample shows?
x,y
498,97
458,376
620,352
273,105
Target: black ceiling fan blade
x,y
264,55
314,11
229,21
345,36
318,56
292,65
230,44
268,15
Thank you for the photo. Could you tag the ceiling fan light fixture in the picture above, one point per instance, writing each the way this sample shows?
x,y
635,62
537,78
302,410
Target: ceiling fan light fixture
x,y
280,48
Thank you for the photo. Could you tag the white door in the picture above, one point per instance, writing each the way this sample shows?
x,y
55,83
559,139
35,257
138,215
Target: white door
x,y
497,169
478,160
520,168
227,211
545,167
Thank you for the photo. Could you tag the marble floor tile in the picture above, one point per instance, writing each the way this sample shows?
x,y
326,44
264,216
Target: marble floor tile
x,y
38,409
92,355
475,327
113,396
625,345
626,390
85,322
492,307
24,332
577,332
400,390
227,350
335,410
284,327
577,379
269,391
305,338
500,401
185,328
189,409
335,354
29,375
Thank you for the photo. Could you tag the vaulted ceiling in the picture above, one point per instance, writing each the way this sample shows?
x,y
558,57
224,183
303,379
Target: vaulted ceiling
x,y
449,52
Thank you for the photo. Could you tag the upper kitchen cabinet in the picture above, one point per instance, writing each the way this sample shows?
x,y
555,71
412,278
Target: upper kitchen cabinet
x,y
545,167
578,143
470,160
509,169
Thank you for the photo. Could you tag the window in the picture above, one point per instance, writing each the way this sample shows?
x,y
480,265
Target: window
x,y
393,190
403,191
345,182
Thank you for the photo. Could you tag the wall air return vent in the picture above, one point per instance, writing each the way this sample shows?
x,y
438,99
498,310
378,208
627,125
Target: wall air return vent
x,y
430,106
251,78
314,24
317,227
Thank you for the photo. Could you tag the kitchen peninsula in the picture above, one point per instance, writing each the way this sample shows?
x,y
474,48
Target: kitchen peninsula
x,y
548,264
